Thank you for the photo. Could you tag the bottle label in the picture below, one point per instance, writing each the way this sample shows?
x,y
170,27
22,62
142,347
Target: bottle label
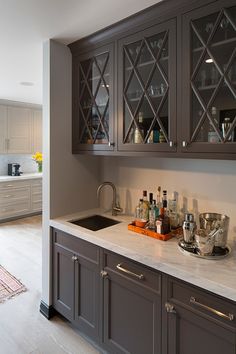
x,y
159,226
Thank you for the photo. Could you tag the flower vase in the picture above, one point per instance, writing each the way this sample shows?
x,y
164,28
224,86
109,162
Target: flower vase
x,y
40,167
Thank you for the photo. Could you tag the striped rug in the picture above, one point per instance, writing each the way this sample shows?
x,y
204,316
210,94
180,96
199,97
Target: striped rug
x,y
9,285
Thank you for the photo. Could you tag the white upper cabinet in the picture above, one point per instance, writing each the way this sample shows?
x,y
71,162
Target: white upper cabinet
x,y
3,129
37,131
19,130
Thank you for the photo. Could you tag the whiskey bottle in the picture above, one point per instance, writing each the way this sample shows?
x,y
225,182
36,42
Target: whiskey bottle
x,y
139,130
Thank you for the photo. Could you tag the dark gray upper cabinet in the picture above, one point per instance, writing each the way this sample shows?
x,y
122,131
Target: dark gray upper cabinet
x,y
209,78
147,89
159,83
93,96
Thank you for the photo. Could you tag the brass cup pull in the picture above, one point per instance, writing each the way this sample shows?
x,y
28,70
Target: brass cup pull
x,y
229,316
122,269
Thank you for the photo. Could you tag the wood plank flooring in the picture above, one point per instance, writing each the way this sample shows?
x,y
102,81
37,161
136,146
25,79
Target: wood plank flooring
x,y
23,330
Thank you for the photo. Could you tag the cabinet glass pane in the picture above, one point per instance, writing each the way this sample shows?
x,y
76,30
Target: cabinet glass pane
x,y
145,90
213,77
94,100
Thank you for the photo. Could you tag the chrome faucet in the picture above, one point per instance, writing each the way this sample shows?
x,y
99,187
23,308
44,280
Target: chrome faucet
x,y
115,206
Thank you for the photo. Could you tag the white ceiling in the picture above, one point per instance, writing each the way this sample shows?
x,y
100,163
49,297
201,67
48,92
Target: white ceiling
x,y
26,24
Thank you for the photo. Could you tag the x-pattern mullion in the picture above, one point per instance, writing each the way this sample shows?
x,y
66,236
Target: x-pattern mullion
x,y
85,77
101,117
102,72
133,115
85,126
206,111
227,15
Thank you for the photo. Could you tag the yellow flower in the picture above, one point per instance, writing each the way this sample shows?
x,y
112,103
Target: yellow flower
x,y
38,157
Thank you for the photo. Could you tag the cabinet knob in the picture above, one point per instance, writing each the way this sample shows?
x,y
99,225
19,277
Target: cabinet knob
x,y
171,143
111,144
169,308
104,274
74,258
184,143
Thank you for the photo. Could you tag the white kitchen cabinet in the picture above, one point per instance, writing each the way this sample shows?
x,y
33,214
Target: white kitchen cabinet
x,y
18,198
20,129
3,129
37,130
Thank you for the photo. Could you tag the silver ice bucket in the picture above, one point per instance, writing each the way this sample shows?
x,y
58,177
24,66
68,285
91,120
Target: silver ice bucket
x,y
211,221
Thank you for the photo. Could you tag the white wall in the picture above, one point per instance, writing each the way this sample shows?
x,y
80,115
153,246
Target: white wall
x,y
203,185
65,175
28,165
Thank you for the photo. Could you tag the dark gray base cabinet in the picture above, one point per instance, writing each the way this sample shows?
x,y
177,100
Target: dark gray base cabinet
x,y
132,307
197,322
76,282
128,308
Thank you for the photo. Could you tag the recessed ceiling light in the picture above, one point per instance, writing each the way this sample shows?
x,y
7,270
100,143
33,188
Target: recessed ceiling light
x,y
26,83
208,61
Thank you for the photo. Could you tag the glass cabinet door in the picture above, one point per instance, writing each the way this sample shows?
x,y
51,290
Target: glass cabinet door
x,y
94,101
147,90
210,62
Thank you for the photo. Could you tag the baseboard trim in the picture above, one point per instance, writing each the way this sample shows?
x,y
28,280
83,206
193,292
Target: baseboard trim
x,y
47,311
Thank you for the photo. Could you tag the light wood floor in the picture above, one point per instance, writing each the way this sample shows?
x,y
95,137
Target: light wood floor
x,y
23,330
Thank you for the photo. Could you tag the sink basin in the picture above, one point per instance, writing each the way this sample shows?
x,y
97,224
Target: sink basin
x,y
95,222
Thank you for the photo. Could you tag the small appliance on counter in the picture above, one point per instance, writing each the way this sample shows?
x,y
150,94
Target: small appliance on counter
x,y
210,241
14,169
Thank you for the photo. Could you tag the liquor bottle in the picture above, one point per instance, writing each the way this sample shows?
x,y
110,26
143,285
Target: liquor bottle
x,y
145,206
164,199
150,198
140,219
212,134
152,217
173,215
139,131
163,222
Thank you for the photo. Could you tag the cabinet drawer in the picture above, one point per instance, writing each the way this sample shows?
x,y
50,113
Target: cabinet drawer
x,y
202,302
36,205
13,184
11,195
82,248
133,271
18,208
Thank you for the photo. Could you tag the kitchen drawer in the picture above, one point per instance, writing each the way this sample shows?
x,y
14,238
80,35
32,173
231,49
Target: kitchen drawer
x,y
133,271
36,183
82,248
13,184
201,302
11,210
11,195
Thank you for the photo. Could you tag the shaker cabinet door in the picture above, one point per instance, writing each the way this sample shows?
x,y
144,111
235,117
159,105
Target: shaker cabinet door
x,y
147,90
63,281
93,107
209,79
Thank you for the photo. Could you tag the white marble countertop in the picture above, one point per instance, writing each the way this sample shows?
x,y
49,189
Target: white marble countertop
x,y
217,276
21,177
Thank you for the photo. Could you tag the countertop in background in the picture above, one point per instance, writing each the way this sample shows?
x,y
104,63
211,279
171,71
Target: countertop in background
x,y
20,178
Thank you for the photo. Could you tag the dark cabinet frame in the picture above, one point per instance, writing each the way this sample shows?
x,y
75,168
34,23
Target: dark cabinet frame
x,y
191,146
137,26
170,28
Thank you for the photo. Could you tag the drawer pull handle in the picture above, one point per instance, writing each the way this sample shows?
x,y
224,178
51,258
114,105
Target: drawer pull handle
x,y
229,316
74,259
169,308
138,276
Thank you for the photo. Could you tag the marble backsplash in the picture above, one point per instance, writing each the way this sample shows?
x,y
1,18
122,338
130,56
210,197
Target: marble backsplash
x,y
28,165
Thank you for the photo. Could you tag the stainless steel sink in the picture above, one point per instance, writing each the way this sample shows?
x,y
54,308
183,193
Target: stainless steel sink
x,y
95,222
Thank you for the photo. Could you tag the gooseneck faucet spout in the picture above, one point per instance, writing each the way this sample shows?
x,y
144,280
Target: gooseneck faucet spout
x,y
115,206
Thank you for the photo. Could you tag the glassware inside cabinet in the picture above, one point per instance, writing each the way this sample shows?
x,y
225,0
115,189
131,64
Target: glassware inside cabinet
x,y
146,89
213,77
94,100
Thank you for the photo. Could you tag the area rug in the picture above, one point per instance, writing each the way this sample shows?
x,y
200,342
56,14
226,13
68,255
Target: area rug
x,y
9,285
